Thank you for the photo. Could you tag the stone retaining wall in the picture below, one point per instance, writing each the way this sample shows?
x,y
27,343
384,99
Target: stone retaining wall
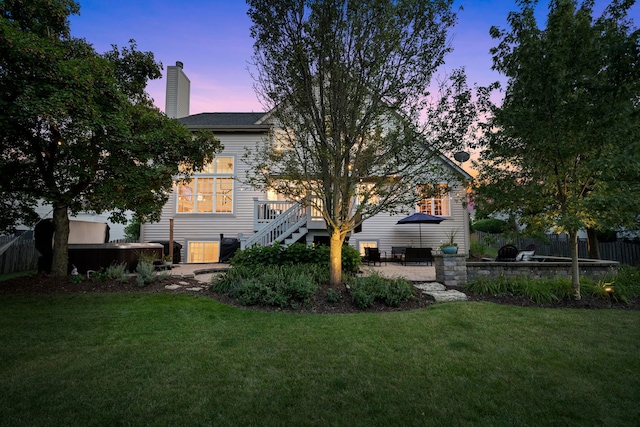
x,y
451,270
534,269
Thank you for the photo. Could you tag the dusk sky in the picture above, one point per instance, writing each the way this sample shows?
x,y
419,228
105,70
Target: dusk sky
x,y
211,38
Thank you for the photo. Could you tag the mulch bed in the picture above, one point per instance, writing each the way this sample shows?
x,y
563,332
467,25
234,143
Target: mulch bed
x,y
44,285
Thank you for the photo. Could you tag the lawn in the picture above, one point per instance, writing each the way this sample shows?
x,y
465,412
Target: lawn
x,y
160,359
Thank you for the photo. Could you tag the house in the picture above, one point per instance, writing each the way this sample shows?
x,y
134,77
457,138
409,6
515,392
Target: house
x,y
216,204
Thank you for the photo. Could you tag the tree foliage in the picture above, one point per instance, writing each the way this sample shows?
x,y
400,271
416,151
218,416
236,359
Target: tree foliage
x,y
77,129
562,149
346,83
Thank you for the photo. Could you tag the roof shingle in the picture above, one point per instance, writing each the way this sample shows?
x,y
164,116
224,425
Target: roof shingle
x,y
221,119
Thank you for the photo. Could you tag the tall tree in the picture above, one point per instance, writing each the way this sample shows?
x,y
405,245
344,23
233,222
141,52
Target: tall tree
x,y
562,149
346,82
77,129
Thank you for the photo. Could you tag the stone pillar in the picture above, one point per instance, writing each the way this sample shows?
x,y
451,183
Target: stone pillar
x,y
451,270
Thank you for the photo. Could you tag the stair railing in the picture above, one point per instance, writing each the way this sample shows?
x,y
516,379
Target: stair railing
x,y
279,228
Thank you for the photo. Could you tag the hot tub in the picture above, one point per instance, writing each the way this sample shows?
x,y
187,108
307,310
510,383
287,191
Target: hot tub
x,y
94,256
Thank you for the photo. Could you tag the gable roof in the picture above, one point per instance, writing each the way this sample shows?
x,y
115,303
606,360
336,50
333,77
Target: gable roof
x,y
225,121
256,122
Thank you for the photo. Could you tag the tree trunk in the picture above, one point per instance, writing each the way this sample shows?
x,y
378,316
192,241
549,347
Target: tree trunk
x,y
335,259
592,243
575,271
60,240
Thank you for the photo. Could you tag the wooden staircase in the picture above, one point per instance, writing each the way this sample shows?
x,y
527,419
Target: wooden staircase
x,y
286,228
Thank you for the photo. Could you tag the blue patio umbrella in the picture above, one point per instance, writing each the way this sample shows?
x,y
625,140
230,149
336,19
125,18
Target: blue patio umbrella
x,y
421,218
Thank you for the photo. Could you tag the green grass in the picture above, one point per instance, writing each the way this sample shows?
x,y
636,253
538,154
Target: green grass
x,y
144,359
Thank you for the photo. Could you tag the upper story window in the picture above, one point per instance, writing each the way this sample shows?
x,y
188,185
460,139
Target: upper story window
x,y
367,189
434,199
210,191
282,139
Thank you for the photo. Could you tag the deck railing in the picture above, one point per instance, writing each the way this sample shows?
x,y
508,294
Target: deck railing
x,y
275,224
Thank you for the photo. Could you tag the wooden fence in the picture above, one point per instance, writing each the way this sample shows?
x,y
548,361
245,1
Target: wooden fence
x,y
20,256
558,245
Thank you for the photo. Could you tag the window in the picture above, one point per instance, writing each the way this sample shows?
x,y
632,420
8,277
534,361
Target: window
x,y
210,191
282,140
434,199
203,252
370,190
366,244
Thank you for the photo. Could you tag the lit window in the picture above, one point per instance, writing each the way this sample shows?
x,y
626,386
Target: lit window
x,y
434,200
210,190
224,165
366,244
203,252
282,140
368,190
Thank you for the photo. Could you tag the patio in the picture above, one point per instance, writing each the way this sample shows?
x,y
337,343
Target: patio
x,y
414,273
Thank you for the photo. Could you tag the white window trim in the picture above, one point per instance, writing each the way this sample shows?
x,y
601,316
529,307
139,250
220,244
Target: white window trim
x,y
367,244
446,203
195,178
188,250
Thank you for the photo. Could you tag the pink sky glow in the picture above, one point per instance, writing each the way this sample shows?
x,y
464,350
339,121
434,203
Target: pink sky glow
x,y
211,38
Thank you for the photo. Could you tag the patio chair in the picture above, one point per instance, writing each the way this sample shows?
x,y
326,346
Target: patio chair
x,y
507,253
372,255
527,253
397,253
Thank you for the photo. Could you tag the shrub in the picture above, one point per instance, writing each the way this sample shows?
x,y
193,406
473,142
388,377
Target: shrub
x,y
146,273
351,259
603,289
99,276
366,290
162,276
627,278
481,250
362,297
76,278
297,253
132,229
279,286
258,255
333,296
298,288
540,291
493,286
117,272
395,292
490,225
251,292
230,281
148,257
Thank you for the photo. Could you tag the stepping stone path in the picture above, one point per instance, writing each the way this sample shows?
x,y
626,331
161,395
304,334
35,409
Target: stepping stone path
x,y
181,284
439,293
